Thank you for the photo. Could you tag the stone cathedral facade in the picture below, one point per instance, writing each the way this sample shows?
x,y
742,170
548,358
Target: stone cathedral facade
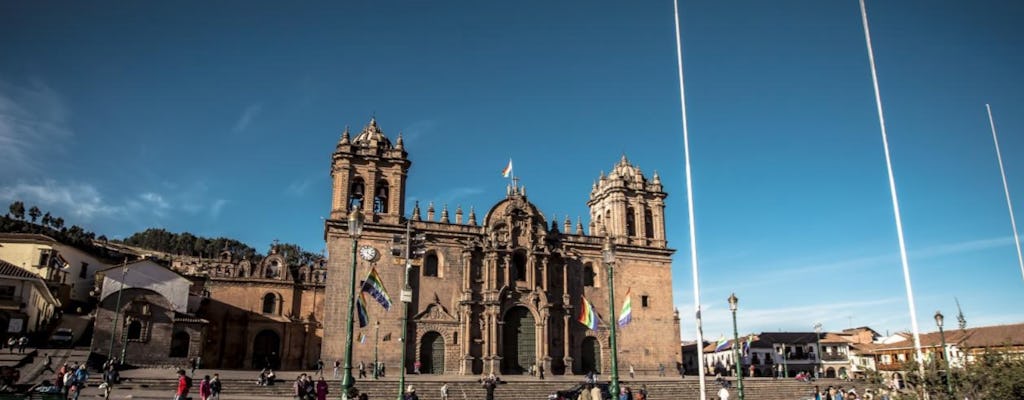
x,y
501,293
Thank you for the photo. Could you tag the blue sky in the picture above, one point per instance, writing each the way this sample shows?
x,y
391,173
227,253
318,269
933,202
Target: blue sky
x,y
219,119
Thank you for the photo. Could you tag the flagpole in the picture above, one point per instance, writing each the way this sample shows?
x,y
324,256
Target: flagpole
x,y
892,191
1006,189
689,207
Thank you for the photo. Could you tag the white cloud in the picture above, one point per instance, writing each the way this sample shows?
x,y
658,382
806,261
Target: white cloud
x,y
81,200
247,117
217,206
418,129
33,122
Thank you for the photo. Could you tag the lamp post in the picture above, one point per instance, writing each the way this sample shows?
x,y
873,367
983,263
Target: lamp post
x,y
733,305
942,335
608,253
406,298
817,349
355,228
117,311
376,340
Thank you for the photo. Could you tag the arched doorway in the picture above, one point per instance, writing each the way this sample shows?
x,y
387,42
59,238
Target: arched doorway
x,y
519,338
830,372
179,342
265,350
590,357
432,353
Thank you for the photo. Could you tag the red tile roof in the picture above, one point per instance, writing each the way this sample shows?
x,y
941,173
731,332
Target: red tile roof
x,y
10,270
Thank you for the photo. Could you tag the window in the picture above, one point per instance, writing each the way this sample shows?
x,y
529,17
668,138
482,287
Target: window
x,y
355,197
630,222
270,305
455,338
380,199
519,266
588,275
648,224
44,257
135,330
644,301
84,272
430,264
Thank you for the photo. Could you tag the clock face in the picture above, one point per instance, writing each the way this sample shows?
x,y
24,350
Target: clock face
x,y
368,253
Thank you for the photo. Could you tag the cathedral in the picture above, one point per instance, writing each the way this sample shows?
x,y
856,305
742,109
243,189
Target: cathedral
x,y
502,293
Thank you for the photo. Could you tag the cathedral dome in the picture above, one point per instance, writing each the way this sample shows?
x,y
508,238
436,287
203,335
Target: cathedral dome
x,y
372,136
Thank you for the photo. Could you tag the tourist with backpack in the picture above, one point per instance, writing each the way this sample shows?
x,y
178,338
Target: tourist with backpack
x,y
184,384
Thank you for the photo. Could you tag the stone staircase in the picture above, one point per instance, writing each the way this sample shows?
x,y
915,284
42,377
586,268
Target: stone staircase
x,y
754,389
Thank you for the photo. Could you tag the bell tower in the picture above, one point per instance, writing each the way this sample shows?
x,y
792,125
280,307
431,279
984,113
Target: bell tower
x,y
368,173
625,205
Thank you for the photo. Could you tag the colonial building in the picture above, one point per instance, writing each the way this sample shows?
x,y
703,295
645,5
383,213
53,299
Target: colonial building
x,y
68,271
147,316
261,314
501,293
26,304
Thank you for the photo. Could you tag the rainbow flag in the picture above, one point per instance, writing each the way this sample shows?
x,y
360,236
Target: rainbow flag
x,y
722,343
364,318
508,169
588,316
375,287
627,310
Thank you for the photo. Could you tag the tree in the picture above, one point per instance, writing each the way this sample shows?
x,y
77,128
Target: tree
x,y
47,219
58,223
18,210
34,213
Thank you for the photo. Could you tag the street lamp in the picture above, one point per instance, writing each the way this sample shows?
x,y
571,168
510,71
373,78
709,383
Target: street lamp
x,y
942,335
355,228
117,310
376,340
733,305
817,338
608,253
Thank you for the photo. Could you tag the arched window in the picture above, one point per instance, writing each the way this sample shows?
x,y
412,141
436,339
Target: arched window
x,y
519,266
588,275
179,344
355,196
430,264
135,330
270,303
630,222
380,199
648,224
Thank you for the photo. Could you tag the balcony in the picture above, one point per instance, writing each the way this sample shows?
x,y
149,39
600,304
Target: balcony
x,y
834,357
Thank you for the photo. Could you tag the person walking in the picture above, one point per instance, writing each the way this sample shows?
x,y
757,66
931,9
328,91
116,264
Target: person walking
x,y
22,343
661,369
362,369
410,393
321,389
204,388
48,365
184,384
723,393
489,385
632,372
195,365
299,387
337,366
11,342
320,367
540,371
215,387
444,390
584,393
